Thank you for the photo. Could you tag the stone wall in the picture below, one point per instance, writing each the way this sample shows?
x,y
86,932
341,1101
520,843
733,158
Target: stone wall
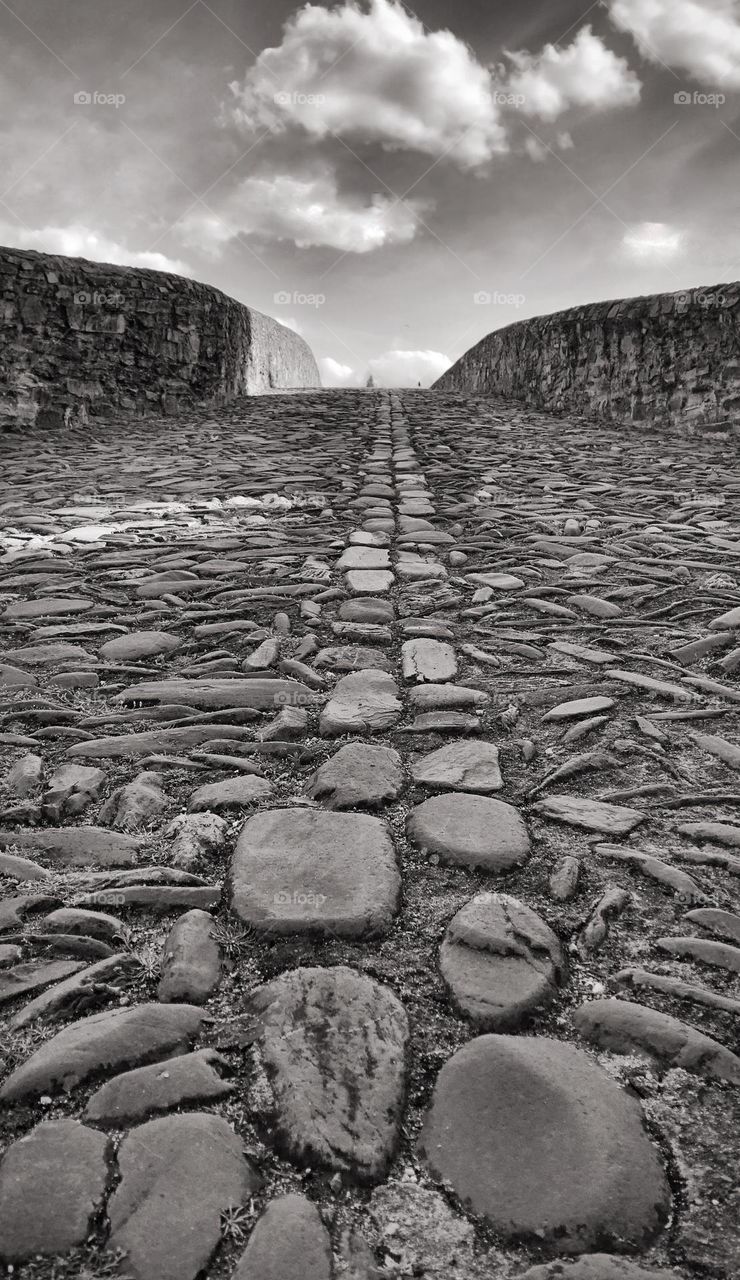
x,y
81,338
672,359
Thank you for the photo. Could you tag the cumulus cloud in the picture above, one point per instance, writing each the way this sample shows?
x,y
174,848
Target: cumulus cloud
x,y
408,368
585,73
334,374
308,209
701,37
653,240
78,241
377,75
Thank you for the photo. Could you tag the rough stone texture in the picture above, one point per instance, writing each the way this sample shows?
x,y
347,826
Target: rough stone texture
x,y
76,846
535,1138
460,766
634,1028
332,1044
83,338
24,979
179,1174
357,774
366,701
232,793
597,1266
473,831
667,359
289,1242
261,694
432,660
593,815
129,808
134,1095
42,1211
423,1235
700,1121
223,528
500,960
191,964
307,871
107,1041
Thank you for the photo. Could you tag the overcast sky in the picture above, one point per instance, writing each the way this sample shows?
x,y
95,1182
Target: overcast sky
x,y
392,182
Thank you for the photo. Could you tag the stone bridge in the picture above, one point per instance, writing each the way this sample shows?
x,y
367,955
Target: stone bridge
x,y
369,844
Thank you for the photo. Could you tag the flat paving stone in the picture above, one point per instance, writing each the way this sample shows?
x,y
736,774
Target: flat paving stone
x,y
367,610
470,831
149,742
358,774
52,1183
510,1113
500,960
76,846
306,871
179,1175
289,1242
139,644
332,1043
353,657
627,1027
580,707
364,558
134,1095
14,678
592,815
428,660
263,694
106,1041
34,975
50,606
460,766
363,702
369,582
231,793
446,697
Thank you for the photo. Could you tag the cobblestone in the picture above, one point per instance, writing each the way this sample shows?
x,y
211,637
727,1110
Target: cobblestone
x,y
239,653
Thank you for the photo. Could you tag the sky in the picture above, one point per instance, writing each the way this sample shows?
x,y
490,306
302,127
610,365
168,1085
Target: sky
x,y
392,183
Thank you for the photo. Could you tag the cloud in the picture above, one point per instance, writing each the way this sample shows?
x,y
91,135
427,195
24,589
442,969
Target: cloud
x,y
391,369
583,74
700,36
653,240
408,368
78,241
308,209
378,76
334,374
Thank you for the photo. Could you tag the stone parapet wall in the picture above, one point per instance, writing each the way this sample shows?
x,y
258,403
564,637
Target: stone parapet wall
x,y
81,339
669,359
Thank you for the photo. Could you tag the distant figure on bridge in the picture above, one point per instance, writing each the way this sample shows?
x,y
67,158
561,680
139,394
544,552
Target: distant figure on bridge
x,y
370,381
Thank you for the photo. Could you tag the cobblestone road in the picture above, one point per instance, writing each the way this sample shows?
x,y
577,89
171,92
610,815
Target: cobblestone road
x,y
369,843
